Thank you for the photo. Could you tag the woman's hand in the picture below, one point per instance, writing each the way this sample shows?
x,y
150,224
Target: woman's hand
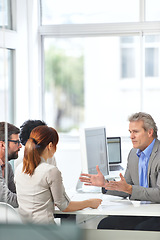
x,y
79,205
94,202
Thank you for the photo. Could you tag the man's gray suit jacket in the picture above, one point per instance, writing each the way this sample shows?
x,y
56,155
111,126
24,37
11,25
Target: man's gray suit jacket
x,y
152,193
8,193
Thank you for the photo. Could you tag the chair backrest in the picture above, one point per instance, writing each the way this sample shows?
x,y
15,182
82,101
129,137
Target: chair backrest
x,y
8,214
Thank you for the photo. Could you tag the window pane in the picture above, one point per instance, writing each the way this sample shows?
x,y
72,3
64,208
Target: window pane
x,y
88,81
6,86
88,11
83,83
128,62
151,62
152,10
64,78
151,82
152,55
5,13
128,57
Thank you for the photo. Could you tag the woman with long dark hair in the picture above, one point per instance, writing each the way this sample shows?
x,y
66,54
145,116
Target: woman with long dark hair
x,y
39,185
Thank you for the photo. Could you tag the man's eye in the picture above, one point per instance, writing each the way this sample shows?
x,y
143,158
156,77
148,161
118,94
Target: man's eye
x,y
133,131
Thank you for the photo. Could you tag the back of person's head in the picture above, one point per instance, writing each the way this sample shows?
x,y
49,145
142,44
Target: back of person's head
x,y
27,127
39,138
148,121
11,129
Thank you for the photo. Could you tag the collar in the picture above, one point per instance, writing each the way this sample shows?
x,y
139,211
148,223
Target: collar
x,y
42,159
147,151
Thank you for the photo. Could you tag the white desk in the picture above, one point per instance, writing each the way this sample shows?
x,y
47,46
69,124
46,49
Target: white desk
x,y
112,205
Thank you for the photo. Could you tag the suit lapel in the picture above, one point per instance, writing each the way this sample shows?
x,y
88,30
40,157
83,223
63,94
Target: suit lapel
x,y
153,155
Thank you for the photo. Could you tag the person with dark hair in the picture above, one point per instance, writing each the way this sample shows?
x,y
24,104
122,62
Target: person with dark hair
x,y
27,127
25,130
39,184
8,192
142,176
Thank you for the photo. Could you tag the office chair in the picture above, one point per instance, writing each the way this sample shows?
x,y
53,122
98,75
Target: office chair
x,y
8,214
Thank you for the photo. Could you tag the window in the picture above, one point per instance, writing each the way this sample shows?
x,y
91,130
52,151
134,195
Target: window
x,y
97,71
128,57
5,13
88,11
151,62
128,63
7,43
6,85
64,83
152,10
152,56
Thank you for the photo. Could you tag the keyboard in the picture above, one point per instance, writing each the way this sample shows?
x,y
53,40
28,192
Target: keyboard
x,y
115,168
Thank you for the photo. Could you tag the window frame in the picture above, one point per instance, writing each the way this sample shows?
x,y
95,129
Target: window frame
x,y
140,29
8,41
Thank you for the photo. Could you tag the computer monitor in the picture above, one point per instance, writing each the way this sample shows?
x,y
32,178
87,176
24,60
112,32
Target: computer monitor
x,y
114,153
93,148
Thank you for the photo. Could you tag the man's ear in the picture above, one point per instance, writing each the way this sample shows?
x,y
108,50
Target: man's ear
x,y
2,145
150,132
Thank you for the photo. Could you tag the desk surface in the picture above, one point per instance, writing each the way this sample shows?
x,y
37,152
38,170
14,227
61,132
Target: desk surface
x,y
112,205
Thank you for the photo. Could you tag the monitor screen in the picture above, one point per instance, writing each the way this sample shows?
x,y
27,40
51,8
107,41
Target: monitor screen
x,y
94,150
114,150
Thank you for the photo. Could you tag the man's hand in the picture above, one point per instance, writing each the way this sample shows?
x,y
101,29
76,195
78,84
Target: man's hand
x,y
93,179
121,185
